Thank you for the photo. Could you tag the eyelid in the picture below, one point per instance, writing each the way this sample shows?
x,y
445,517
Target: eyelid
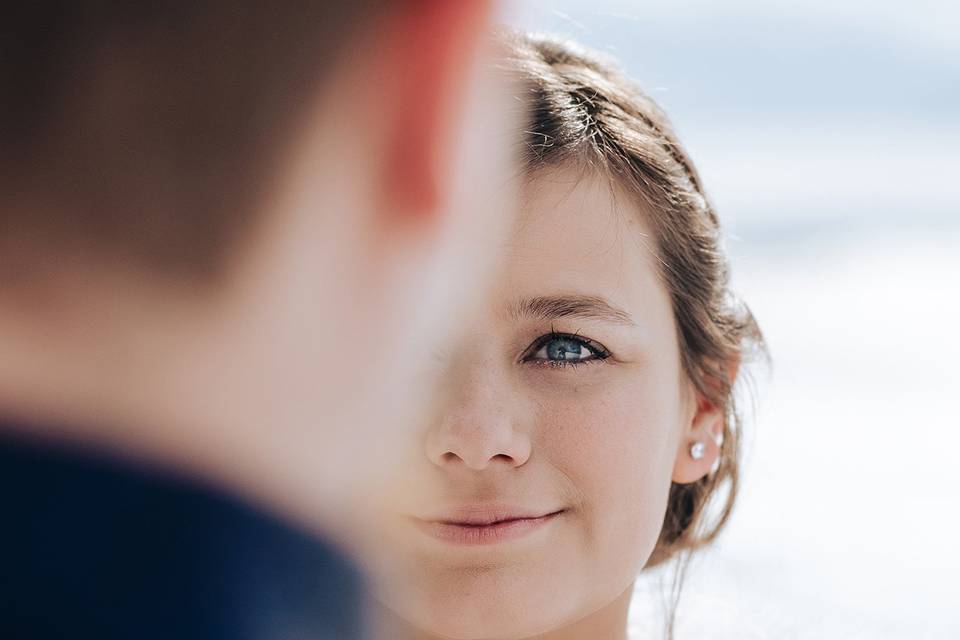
x,y
600,351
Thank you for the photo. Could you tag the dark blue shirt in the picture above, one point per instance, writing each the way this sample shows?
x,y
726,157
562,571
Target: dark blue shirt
x,y
91,547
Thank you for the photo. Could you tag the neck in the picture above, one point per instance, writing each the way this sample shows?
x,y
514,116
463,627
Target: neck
x,y
80,353
128,365
607,623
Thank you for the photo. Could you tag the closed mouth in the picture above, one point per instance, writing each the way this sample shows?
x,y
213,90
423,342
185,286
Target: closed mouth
x,y
486,526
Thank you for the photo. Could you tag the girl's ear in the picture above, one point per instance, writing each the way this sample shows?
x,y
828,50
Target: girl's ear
x,y
701,441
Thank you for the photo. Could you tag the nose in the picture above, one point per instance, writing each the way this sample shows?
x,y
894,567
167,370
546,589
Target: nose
x,y
478,431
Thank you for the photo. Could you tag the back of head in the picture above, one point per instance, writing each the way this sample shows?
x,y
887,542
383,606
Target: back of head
x,y
147,133
224,227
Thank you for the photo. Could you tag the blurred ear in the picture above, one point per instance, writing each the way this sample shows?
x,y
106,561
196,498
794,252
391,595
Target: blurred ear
x,y
705,427
432,47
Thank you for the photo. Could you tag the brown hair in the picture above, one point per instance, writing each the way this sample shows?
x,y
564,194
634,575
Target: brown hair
x,y
146,132
584,111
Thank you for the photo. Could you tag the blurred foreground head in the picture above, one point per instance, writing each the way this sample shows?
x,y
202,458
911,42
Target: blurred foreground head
x,y
232,234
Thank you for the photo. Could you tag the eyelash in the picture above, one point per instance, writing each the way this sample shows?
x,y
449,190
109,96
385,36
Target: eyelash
x,y
600,352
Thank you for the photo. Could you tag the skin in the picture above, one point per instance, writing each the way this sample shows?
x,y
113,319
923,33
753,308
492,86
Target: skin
x,y
601,440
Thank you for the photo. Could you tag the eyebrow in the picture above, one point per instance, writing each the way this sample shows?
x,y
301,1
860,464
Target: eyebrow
x,y
575,306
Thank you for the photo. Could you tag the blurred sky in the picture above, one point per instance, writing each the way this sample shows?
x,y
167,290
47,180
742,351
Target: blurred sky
x,y
827,134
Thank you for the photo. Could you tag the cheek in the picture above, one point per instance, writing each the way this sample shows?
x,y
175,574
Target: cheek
x,y
615,439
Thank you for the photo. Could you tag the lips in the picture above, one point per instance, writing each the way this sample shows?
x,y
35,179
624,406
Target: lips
x,y
486,525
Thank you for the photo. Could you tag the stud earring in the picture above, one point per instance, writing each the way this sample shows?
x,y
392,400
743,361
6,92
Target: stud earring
x,y
697,449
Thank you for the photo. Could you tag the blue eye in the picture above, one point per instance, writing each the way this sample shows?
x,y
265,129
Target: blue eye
x,y
562,348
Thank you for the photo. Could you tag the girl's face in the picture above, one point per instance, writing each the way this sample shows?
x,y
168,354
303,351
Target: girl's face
x,y
540,489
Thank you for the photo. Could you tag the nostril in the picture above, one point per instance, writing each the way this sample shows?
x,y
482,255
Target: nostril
x,y
453,444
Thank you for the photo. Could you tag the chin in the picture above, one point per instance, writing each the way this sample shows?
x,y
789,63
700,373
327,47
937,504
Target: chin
x,y
485,607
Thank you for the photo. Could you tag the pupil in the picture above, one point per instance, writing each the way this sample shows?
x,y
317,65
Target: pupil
x,y
562,349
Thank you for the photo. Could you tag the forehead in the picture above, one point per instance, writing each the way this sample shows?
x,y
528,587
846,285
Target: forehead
x,y
580,234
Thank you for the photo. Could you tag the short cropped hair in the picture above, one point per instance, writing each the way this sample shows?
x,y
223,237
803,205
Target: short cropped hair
x,y
146,133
